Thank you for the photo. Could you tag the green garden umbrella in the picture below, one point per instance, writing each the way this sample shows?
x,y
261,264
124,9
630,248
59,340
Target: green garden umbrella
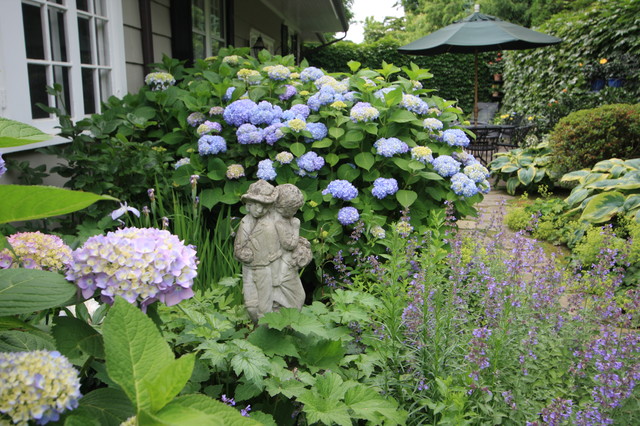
x,y
478,33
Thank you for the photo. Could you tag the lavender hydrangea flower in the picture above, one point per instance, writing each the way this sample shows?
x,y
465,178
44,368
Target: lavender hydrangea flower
x,y
141,265
208,127
239,112
341,189
446,166
390,147
318,131
36,251
266,170
195,119
414,104
265,113
476,172
273,133
432,124
209,144
455,137
216,110
301,111
249,134
311,74
363,112
289,91
159,80
3,168
462,185
284,157
348,215
310,162
383,187
38,385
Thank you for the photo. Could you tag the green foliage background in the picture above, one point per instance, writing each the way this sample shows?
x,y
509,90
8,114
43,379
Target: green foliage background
x,y
453,73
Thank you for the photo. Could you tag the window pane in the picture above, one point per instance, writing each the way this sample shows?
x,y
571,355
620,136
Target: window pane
x,y
216,21
61,76
84,36
82,5
198,46
58,37
88,91
32,22
99,8
38,89
105,84
197,14
102,40
57,1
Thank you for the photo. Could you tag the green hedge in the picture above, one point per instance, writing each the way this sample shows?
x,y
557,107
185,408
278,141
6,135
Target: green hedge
x,y
535,79
453,73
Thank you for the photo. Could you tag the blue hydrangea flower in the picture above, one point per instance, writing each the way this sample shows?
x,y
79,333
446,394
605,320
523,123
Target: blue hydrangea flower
x,y
318,131
455,137
337,86
484,187
289,91
348,215
476,172
363,112
414,104
265,113
341,189
432,124
229,92
325,96
209,144
310,162
266,170
239,112
277,72
195,119
296,111
390,147
383,187
272,133
446,166
249,134
311,74
462,185
141,265
38,385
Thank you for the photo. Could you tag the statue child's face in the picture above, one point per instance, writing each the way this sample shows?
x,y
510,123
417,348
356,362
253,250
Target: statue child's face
x,y
256,209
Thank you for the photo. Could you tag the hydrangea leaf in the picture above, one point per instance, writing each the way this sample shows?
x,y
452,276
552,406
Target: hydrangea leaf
x,y
22,341
402,116
323,143
368,404
26,290
366,160
75,337
297,149
406,197
169,381
602,207
109,406
79,420
14,133
135,351
196,410
210,197
354,65
336,132
217,169
347,172
21,202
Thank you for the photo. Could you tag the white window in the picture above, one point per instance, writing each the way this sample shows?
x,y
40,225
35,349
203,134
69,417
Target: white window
x,y
208,29
75,43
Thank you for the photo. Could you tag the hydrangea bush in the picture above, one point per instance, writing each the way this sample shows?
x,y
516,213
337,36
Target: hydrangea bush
x,y
36,250
361,146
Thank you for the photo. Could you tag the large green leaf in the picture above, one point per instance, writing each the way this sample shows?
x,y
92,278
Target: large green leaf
x,y
621,184
75,337
572,176
368,404
406,198
135,352
526,175
196,410
21,341
21,202
402,116
602,207
323,403
250,360
512,184
632,202
273,342
14,133
577,195
26,290
366,160
108,406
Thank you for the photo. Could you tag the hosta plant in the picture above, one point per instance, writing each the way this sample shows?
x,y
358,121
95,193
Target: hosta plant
x,y
611,188
524,168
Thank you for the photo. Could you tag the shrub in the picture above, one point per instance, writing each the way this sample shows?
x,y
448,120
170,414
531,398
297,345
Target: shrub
x,y
585,137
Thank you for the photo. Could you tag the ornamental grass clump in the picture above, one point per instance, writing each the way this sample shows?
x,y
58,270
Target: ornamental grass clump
x,y
37,386
141,265
36,250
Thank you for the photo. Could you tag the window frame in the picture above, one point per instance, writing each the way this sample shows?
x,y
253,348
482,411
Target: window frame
x,y
15,101
210,38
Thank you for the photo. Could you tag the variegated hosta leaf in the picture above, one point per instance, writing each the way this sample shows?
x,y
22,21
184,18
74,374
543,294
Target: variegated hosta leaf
x,y
573,176
603,207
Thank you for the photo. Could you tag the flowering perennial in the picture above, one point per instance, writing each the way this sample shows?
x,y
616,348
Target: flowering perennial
x,y
311,74
455,137
383,187
38,385
208,145
277,72
266,170
141,265
390,147
348,215
310,162
182,162
284,157
363,111
195,119
249,134
235,171
446,166
159,80
432,124
208,127
422,153
341,189
36,251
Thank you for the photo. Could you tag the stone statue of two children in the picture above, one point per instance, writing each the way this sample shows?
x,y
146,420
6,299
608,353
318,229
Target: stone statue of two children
x,y
269,245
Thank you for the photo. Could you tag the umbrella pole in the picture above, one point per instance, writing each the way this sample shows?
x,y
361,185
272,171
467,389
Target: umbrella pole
x,y
475,96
